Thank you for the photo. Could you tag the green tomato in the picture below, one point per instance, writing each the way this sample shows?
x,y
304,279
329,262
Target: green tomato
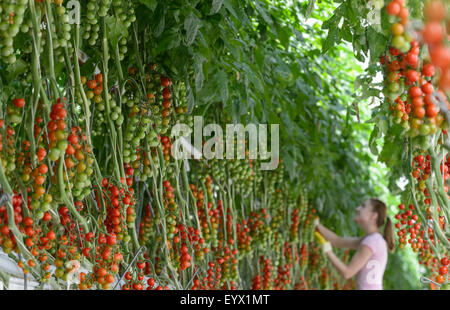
x,y
405,47
393,87
40,215
398,41
405,125
62,145
15,118
424,129
45,206
54,154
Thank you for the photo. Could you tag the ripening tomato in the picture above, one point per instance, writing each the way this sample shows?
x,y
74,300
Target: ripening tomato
x,y
417,102
419,112
92,84
99,78
412,59
397,29
164,81
19,102
428,70
412,76
403,14
393,8
415,91
433,32
427,88
432,110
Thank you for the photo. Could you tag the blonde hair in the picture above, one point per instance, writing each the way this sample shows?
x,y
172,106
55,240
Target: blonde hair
x,y
383,219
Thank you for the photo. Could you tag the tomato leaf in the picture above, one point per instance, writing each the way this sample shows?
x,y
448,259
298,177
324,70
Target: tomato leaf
x,y
151,4
310,8
159,20
191,25
15,69
115,30
215,7
377,44
222,84
332,39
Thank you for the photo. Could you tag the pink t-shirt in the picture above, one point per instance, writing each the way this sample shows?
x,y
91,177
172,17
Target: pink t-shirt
x,y
370,277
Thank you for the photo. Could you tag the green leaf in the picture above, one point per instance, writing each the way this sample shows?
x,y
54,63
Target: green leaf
x,y
333,21
159,20
264,14
227,4
377,43
151,4
346,33
168,41
198,69
16,69
222,84
215,7
383,125
189,95
372,141
191,25
310,8
115,30
332,39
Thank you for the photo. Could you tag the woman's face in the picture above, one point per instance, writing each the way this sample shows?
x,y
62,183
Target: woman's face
x,y
364,214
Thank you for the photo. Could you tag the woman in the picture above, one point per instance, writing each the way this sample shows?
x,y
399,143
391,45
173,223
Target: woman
x,y
369,261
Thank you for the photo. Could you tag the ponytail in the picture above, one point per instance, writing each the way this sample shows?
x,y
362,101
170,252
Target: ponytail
x,y
389,235
380,208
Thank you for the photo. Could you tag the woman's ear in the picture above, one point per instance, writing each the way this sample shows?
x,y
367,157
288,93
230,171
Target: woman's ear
x,y
375,216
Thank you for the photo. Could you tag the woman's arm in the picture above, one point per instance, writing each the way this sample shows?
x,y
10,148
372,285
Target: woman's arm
x,y
358,261
339,242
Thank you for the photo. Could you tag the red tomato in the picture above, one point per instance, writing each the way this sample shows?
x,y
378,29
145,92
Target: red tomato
x,y
19,102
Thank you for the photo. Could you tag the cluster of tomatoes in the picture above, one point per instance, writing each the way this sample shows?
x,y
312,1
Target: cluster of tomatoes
x,y
434,35
12,16
408,224
78,161
409,87
421,240
198,243
266,275
7,150
57,134
92,28
244,240
172,211
211,281
209,234
61,34
7,239
119,208
293,230
260,232
14,110
137,127
283,277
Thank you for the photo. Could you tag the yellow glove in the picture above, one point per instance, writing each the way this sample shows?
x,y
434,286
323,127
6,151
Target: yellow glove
x,y
319,237
326,246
